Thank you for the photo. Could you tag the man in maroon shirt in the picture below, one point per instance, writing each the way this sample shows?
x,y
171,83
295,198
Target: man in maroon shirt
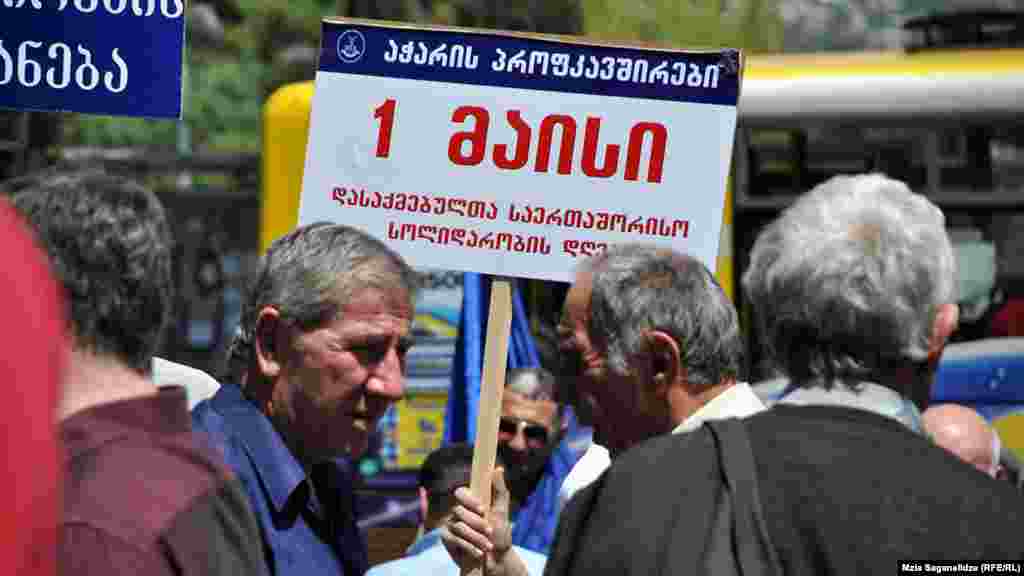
x,y
141,494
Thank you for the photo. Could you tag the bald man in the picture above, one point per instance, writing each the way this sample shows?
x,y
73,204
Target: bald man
x,y
965,434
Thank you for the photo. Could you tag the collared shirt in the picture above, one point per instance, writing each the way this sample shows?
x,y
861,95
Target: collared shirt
x,y
308,522
737,401
143,495
198,384
866,396
594,462
428,556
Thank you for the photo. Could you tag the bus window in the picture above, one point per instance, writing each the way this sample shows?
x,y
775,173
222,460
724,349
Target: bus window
x,y
937,160
1007,154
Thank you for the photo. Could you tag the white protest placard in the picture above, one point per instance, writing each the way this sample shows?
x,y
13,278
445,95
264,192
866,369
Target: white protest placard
x,y
517,155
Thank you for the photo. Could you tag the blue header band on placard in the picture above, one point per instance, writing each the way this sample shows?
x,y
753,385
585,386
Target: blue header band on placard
x,y
117,57
487,59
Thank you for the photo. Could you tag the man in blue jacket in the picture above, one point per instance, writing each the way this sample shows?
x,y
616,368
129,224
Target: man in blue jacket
x,y
318,358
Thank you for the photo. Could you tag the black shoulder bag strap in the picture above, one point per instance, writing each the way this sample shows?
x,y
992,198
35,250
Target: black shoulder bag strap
x,y
740,517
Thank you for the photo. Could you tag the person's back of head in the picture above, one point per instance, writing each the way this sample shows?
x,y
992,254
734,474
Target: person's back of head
x,y
855,280
109,244
965,434
443,471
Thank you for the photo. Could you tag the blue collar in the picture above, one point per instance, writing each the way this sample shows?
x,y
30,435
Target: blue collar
x,y
278,470
428,540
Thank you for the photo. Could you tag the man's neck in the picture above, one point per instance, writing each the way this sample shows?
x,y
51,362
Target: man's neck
x,y
913,382
93,380
684,404
260,392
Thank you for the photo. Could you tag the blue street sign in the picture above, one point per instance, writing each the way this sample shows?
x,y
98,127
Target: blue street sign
x,y
117,57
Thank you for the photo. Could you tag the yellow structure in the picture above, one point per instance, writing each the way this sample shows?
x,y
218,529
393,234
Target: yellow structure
x,y
1011,432
420,427
724,270
285,131
792,88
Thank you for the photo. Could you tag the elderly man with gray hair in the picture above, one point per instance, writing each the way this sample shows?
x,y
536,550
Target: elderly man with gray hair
x,y
657,349
319,357
853,284
854,292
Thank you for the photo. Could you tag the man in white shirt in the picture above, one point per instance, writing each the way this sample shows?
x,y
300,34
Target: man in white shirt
x,y
726,401
656,347
588,468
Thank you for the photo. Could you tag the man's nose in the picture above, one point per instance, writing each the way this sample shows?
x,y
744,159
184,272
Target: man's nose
x,y
518,441
387,377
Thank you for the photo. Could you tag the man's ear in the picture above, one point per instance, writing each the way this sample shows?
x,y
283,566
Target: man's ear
x,y
269,341
947,317
663,361
424,507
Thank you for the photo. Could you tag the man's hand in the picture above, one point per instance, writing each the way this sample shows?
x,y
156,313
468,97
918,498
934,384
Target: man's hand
x,y
474,535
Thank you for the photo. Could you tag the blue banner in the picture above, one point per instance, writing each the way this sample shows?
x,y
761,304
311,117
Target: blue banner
x,y
117,57
502,60
535,522
464,395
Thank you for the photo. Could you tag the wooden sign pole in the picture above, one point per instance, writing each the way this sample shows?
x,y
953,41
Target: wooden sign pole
x,y
499,324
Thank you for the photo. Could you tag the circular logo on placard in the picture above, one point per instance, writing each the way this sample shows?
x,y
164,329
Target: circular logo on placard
x,y
351,46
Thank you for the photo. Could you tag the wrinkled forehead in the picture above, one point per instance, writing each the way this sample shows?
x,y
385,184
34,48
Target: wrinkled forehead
x,y
374,310
516,405
376,274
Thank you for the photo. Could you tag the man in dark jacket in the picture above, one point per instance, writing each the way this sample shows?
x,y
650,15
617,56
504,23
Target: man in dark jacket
x,y
853,283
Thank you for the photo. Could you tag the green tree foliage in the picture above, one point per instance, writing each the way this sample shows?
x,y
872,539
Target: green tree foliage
x,y
751,25
109,131
543,16
222,108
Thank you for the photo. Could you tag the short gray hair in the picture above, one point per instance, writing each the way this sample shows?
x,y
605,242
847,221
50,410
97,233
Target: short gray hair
x,y
309,274
638,288
531,383
849,278
538,385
